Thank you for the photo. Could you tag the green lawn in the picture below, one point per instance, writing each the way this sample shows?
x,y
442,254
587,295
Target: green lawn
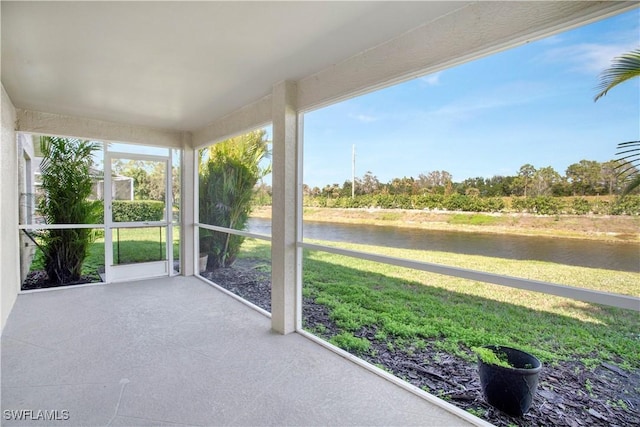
x,y
142,245
409,308
135,245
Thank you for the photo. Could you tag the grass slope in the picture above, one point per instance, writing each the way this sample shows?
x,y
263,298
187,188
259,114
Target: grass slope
x,y
408,308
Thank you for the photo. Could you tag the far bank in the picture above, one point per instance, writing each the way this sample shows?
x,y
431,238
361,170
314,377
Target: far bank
x,y
593,227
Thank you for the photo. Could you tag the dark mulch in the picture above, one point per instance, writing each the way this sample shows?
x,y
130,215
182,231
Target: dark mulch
x,y
569,394
243,280
39,280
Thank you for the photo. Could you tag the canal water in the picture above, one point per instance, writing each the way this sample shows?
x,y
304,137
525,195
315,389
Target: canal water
x,y
621,256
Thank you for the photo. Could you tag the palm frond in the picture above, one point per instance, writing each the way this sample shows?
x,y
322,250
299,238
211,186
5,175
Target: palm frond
x,y
628,165
632,185
623,68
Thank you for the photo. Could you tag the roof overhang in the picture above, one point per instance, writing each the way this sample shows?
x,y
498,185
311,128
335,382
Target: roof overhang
x,y
192,66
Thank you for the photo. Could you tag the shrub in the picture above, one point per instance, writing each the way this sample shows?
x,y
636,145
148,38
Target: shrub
x,y
494,204
456,202
520,204
384,201
137,210
628,205
542,205
429,201
601,207
581,206
545,205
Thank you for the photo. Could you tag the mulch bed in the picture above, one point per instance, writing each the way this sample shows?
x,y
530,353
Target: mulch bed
x,y
39,279
611,399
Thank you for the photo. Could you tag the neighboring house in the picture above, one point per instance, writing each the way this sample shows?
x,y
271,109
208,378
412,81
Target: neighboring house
x,y
121,186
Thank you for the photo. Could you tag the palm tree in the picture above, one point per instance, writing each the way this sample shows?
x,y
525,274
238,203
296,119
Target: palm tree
x,y
623,68
229,173
66,184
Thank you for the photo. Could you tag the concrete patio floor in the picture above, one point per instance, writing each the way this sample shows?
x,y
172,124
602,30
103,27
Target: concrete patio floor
x,y
176,351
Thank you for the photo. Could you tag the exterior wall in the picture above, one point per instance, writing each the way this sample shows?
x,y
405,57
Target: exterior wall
x,y
10,264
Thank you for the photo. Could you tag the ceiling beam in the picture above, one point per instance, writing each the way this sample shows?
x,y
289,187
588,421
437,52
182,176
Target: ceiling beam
x,y
252,116
78,127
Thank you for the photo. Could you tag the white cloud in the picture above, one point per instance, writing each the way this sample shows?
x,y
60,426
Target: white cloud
x,y
363,118
592,55
432,79
494,98
590,58
552,40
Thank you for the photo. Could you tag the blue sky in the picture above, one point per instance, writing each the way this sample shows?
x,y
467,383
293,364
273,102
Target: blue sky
x,y
532,104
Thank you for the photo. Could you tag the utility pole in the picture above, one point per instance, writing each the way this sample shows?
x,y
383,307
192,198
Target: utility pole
x,y
353,171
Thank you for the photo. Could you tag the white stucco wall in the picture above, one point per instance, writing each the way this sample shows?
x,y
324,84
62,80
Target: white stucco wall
x,y
9,257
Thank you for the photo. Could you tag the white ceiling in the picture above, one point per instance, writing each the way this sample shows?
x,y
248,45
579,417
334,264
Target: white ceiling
x,y
181,65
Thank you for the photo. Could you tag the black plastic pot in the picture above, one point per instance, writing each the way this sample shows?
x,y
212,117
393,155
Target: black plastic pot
x,y
510,389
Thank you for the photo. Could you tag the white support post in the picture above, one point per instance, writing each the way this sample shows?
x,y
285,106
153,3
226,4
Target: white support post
x,y
108,215
285,213
168,185
188,207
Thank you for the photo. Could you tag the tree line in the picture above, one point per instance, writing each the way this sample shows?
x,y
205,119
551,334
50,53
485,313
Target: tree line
x,y
585,178
531,190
